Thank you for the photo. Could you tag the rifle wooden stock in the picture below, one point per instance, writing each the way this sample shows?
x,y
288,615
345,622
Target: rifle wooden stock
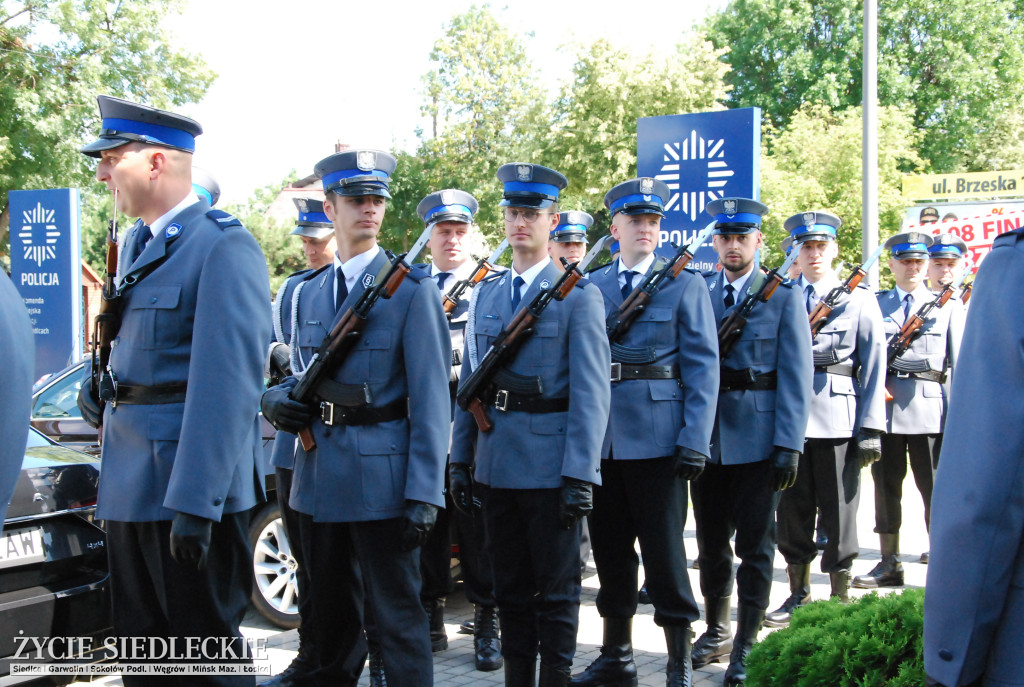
x,y
819,316
636,302
338,344
912,327
732,326
451,299
965,293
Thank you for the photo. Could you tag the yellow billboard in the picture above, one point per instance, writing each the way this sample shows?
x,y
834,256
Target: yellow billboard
x,y
1003,184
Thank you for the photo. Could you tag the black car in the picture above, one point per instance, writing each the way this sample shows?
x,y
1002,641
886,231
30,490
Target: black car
x,y
54,580
55,413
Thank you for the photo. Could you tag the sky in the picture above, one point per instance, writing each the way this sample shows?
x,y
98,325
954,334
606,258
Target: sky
x,y
292,82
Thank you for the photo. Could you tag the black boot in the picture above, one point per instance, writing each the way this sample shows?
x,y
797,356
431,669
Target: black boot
x,y
642,597
520,672
748,620
302,666
717,639
553,677
840,586
889,571
679,671
377,676
800,594
615,666
486,644
435,614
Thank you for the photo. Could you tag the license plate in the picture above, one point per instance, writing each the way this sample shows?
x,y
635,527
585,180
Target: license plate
x,y
18,547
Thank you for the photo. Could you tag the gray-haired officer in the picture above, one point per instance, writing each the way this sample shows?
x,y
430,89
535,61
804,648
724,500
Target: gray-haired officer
x,y
375,481
847,417
651,447
313,227
569,239
763,405
541,458
450,214
180,432
17,350
945,257
917,382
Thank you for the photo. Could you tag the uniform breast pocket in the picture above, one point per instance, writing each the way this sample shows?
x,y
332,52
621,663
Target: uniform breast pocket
x,y
485,331
653,328
834,332
371,354
153,320
931,340
545,349
763,338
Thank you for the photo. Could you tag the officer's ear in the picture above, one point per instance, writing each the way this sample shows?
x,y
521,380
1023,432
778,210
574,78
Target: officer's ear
x,y
329,205
158,162
614,229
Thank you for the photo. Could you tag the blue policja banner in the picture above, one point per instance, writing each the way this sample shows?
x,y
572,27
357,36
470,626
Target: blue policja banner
x,y
700,157
46,269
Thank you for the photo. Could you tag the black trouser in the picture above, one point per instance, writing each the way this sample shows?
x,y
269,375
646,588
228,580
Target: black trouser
x,y
728,500
641,500
828,478
889,473
536,567
291,520
347,558
154,596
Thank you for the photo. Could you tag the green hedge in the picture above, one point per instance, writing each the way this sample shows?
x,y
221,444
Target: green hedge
x,y
876,640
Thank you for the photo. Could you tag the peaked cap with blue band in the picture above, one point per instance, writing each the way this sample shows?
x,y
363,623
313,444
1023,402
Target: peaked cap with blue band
x,y
572,227
909,245
787,245
127,122
813,226
449,205
357,172
205,185
947,246
312,222
736,215
643,196
530,186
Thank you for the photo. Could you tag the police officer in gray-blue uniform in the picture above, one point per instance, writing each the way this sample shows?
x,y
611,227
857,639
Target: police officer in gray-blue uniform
x,y
181,437
542,456
17,350
569,239
375,480
916,381
974,606
664,380
946,256
846,421
763,405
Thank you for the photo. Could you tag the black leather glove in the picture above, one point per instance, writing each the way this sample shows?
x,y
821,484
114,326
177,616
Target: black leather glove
x,y
869,446
460,484
419,520
284,412
784,462
689,463
89,402
279,363
190,539
577,500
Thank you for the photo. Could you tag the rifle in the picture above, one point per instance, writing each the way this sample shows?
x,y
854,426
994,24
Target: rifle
x,y
732,327
450,301
512,337
107,321
818,317
342,338
911,329
965,292
636,302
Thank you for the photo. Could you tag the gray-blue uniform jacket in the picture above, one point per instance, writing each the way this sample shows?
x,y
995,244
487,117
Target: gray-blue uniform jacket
x,y
842,405
569,352
650,417
974,608
199,317
367,472
18,353
283,453
776,337
918,406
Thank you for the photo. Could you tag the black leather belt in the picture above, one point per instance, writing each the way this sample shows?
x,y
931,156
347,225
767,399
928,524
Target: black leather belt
x,y
337,414
158,394
352,395
621,371
505,401
841,370
747,379
930,376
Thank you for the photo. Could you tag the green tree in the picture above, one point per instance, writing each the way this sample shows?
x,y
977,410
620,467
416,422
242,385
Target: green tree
x,y
56,56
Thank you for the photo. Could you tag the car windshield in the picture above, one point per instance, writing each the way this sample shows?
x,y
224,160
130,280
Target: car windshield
x,y
36,440
60,400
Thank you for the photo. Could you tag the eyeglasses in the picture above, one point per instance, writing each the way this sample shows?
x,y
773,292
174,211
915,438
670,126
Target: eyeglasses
x,y
529,215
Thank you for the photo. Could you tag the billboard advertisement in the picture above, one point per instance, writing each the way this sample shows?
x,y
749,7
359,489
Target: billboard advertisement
x,y
976,223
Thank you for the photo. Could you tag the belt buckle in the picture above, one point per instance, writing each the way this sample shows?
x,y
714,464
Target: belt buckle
x,y
107,390
501,400
616,372
327,412
900,374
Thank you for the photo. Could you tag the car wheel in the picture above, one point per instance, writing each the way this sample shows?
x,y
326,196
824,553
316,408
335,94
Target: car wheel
x,y
274,591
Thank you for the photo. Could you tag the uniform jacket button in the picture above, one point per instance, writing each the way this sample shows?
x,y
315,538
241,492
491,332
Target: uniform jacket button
x,y
153,299
217,501
945,654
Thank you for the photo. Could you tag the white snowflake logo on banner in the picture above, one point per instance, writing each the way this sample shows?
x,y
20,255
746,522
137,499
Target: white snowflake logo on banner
x,y
39,249
694,150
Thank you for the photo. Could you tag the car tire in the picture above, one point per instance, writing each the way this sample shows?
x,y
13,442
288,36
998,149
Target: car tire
x,y
274,589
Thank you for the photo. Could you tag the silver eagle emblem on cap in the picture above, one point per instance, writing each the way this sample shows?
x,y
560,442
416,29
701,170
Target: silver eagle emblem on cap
x,y
366,160
646,185
524,172
809,219
447,197
729,206
575,217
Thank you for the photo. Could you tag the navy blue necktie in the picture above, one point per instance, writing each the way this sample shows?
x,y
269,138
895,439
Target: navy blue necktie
x,y
628,287
342,288
516,294
810,299
729,299
908,303
442,277
142,238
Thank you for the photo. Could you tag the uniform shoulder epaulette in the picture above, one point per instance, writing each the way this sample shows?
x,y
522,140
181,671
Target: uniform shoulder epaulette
x,y
491,277
599,267
313,273
788,283
223,219
418,273
709,274
299,272
862,286
694,271
1010,238
420,265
